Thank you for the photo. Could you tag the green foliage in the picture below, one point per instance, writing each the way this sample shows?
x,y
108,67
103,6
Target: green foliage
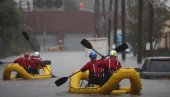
x,y
10,29
10,19
9,14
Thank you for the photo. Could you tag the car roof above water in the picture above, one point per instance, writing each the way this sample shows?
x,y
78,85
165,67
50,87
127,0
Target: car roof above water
x,y
159,58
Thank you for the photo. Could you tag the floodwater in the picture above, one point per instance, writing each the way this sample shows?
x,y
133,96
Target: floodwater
x,y
63,65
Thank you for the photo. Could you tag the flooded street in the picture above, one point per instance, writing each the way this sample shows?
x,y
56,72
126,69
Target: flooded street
x,y
63,64
66,31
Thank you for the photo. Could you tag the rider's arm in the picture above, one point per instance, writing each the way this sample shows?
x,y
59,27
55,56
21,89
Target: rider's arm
x,y
85,67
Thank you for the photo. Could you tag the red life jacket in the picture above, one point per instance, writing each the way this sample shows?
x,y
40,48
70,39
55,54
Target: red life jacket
x,y
24,62
110,65
93,68
36,62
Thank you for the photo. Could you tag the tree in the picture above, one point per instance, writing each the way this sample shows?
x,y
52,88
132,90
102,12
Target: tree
x,y
161,15
9,15
11,28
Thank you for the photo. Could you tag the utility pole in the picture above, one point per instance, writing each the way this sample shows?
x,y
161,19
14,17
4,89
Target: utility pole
x,y
140,32
20,4
109,23
123,27
166,40
104,18
151,16
169,40
97,18
115,22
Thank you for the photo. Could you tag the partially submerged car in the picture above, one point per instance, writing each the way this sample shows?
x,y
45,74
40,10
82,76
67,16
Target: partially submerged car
x,y
155,67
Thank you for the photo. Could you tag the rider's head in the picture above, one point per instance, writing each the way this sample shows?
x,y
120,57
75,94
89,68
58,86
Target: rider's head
x,y
113,53
26,54
92,55
36,54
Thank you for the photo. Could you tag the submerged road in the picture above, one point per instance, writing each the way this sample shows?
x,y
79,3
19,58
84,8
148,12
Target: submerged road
x,y
64,64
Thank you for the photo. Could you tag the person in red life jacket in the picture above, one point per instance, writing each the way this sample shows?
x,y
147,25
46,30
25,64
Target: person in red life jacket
x,y
36,62
24,61
95,72
109,65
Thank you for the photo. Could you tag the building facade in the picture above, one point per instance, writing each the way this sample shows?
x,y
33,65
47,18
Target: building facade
x,y
60,28
165,37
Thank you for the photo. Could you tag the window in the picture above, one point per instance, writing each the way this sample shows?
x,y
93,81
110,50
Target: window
x,y
145,65
160,66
